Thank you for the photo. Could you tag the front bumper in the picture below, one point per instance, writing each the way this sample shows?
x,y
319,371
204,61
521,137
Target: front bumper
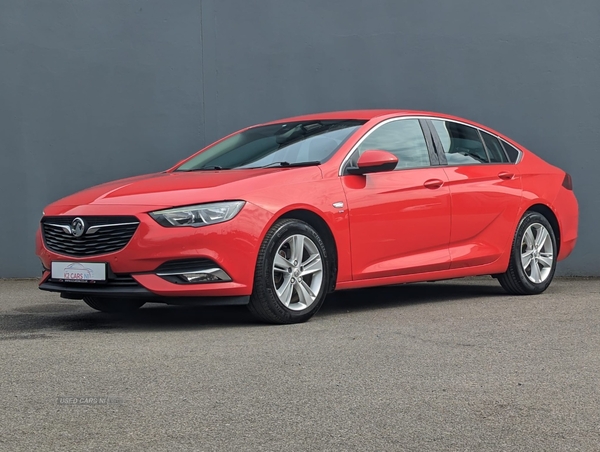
x,y
75,291
232,246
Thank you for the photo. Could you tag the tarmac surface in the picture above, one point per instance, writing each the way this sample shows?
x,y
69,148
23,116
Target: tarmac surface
x,y
455,365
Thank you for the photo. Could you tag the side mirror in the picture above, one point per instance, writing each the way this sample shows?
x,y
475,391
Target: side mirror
x,y
373,161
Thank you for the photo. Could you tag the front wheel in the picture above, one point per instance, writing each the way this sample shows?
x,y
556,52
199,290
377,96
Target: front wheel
x,y
112,305
292,274
533,257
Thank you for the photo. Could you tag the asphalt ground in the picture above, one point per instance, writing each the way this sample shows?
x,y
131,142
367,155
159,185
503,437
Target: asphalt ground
x,y
454,365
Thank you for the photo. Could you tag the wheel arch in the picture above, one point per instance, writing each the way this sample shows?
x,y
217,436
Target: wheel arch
x,y
324,231
549,214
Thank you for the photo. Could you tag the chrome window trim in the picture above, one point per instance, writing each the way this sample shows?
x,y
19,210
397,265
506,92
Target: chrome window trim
x,y
400,118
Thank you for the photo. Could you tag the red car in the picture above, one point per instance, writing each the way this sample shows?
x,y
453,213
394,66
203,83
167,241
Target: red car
x,y
278,215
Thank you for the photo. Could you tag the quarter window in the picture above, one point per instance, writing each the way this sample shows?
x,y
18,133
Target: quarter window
x,y
511,151
494,148
403,138
461,143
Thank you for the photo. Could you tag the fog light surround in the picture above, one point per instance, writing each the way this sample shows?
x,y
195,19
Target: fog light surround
x,y
207,275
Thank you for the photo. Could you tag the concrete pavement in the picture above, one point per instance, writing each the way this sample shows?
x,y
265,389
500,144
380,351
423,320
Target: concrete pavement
x,y
455,365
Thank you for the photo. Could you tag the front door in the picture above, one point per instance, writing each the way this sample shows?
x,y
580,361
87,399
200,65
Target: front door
x,y
399,220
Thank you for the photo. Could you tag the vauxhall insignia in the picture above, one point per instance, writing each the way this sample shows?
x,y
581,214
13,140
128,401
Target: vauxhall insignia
x,y
313,204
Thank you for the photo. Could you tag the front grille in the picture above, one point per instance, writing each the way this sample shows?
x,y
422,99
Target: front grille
x,y
112,280
110,234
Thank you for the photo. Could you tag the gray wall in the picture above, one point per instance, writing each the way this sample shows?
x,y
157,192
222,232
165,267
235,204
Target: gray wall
x,y
96,90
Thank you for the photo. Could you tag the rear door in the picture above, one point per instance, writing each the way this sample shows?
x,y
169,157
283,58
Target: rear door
x,y
485,189
399,220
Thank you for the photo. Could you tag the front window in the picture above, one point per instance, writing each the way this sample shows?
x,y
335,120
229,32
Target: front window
x,y
403,138
292,143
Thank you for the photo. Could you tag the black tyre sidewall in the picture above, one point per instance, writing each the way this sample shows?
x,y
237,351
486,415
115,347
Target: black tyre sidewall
x,y
529,286
264,288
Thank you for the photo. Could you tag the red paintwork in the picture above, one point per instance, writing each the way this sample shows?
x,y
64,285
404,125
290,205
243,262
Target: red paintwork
x,y
397,225
409,225
371,158
485,210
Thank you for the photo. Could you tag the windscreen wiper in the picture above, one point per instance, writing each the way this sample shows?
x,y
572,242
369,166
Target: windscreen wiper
x,y
205,168
289,165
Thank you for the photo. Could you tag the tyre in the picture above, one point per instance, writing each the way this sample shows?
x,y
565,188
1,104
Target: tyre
x,y
533,257
112,305
292,274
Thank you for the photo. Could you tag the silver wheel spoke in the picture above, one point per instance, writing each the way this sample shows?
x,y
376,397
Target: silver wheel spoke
x,y
305,293
541,238
297,246
535,273
546,261
312,265
281,264
310,259
529,239
285,291
526,259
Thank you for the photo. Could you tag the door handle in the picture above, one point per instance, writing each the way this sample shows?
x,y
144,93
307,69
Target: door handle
x,y
506,176
433,183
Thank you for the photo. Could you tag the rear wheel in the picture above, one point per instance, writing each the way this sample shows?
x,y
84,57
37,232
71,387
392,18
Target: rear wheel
x,y
292,274
112,305
533,257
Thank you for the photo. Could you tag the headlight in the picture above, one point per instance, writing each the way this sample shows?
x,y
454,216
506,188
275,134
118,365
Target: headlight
x,y
200,215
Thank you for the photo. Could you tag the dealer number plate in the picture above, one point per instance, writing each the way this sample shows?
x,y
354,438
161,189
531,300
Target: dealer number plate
x,y
75,271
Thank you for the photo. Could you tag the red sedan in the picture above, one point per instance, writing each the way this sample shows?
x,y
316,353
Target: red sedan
x,y
278,215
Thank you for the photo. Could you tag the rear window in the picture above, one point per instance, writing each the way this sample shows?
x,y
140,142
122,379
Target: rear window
x,y
461,143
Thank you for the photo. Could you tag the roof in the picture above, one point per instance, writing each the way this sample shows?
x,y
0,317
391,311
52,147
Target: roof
x,y
348,114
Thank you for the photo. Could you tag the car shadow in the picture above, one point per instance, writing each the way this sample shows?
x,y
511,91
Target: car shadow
x,y
76,316
388,297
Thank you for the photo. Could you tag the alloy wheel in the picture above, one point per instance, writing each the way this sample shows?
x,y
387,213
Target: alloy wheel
x,y
297,272
537,253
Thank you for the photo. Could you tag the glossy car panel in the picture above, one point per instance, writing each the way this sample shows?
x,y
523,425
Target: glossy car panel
x,y
485,209
398,224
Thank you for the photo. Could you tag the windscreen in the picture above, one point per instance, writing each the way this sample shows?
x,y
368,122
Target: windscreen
x,y
285,144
